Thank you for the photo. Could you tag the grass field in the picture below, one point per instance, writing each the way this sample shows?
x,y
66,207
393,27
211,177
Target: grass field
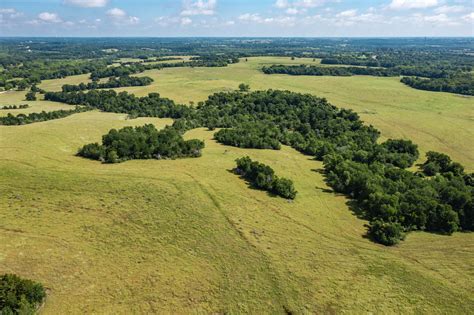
x,y
188,236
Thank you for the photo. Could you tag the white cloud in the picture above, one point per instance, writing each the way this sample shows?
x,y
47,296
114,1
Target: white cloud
x,y
440,18
248,17
347,14
186,21
121,17
49,17
450,9
88,3
7,11
9,14
284,4
469,17
412,4
257,18
116,13
199,7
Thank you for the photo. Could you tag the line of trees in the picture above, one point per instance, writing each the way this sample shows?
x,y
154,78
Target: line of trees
x,y
113,82
460,84
145,142
263,177
152,105
20,296
432,79
21,106
349,71
22,119
138,67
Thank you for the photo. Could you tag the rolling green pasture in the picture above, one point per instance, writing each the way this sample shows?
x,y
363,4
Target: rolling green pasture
x,y
189,236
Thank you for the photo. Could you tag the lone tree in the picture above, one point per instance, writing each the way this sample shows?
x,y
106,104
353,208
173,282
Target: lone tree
x,y
31,96
244,87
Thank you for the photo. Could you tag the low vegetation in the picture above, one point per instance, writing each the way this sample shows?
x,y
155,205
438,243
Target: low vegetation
x,y
20,296
433,79
460,84
22,119
7,107
262,176
144,142
113,82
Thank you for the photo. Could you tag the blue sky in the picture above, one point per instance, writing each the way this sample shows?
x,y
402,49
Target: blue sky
x,y
314,18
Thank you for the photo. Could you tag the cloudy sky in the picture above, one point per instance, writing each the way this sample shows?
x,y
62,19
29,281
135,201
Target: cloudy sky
x,y
237,18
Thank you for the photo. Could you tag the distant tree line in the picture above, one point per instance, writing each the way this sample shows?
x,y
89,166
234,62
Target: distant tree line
x,y
113,82
348,71
460,84
33,72
263,177
22,119
139,67
21,106
144,142
20,296
152,105
394,200
434,79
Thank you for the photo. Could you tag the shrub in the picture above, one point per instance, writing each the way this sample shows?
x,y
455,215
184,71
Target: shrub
x,y
263,177
386,233
19,296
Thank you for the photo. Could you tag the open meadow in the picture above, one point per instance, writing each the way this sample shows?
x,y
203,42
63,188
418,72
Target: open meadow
x,y
189,236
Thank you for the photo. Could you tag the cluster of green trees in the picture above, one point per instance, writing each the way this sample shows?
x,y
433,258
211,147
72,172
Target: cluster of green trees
x,y
256,135
21,106
144,142
397,201
393,199
33,72
152,105
460,84
20,296
22,119
263,177
113,82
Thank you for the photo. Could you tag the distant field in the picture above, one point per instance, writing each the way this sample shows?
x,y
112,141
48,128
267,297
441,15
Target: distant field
x,y
189,236
18,97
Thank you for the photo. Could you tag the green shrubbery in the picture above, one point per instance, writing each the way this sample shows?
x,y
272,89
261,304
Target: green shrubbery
x,y
21,106
144,142
19,296
251,135
263,177
113,82
22,119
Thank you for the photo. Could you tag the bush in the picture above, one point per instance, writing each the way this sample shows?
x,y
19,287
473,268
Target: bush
x,y
144,142
263,177
19,296
386,233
